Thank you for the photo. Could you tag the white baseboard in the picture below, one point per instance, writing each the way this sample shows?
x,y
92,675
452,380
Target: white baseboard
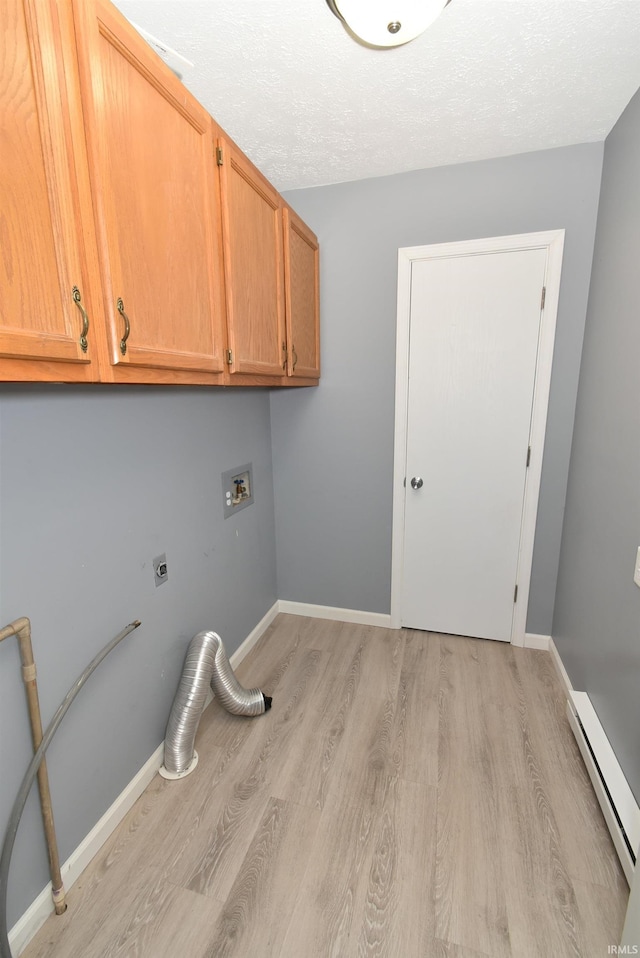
x,y
533,641
38,912
255,634
560,669
337,615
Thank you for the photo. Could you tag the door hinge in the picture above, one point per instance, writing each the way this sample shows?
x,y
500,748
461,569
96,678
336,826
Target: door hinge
x,y
515,594
543,297
528,456
219,156
229,356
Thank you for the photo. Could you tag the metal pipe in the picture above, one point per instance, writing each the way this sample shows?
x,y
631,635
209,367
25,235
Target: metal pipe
x,y
206,664
21,628
30,774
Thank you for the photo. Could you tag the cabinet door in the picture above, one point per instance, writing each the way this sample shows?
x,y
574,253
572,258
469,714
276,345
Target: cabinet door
x,y
153,174
252,240
42,327
302,298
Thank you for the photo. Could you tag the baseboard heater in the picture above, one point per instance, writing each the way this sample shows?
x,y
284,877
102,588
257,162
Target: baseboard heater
x,y
617,801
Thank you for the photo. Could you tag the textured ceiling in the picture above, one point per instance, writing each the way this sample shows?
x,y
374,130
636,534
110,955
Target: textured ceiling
x,y
489,78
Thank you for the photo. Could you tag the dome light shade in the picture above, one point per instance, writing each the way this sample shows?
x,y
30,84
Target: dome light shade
x,y
387,23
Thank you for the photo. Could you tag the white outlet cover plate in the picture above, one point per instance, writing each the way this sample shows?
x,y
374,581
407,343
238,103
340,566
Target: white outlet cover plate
x,y
636,574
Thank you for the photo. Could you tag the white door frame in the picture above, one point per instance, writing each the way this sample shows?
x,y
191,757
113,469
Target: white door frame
x,y
553,242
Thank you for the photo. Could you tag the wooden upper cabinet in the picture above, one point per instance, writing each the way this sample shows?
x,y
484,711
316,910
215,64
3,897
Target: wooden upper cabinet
x,y
252,241
42,259
153,174
302,298
127,254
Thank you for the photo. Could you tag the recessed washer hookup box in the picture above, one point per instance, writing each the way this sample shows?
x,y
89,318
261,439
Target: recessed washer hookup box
x,y
237,489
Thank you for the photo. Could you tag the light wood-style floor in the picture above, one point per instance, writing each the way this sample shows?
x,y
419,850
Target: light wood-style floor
x,y
409,795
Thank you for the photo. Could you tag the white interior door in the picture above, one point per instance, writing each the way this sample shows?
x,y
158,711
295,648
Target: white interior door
x,y
474,330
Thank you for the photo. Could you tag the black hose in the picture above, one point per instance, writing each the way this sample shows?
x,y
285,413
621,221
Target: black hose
x,y
30,774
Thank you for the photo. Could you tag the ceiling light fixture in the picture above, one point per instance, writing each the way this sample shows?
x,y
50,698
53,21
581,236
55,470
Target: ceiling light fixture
x,y
386,23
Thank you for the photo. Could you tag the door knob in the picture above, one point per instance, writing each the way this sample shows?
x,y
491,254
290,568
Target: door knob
x,y
417,482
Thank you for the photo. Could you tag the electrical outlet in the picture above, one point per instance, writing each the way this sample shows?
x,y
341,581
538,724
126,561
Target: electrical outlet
x,y
160,570
636,574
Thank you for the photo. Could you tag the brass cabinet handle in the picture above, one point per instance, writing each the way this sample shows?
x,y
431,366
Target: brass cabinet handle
x,y
127,326
295,357
77,298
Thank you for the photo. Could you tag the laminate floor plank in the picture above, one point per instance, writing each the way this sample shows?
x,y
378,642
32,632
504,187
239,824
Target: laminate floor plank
x,y
398,919
547,813
502,680
366,756
543,916
444,949
161,919
336,650
150,917
210,861
216,850
333,893
260,903
139,845
578,814
331,896
265,668
568,785
306,771
417,719
469,885
409,795
602,914
272,655
416,730
547,707
422,654
328,635
197,801
531,843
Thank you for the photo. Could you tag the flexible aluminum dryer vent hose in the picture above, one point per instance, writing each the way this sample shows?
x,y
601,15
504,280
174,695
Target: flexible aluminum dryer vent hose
x,y
206,665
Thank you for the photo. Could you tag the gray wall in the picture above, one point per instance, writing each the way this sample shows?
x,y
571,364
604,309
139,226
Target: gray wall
x,y
333,447
597,620
95,482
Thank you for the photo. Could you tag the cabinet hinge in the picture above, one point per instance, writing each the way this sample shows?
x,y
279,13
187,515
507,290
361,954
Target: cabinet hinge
x,y
528,456
543,297
515,594
219,156
229,356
